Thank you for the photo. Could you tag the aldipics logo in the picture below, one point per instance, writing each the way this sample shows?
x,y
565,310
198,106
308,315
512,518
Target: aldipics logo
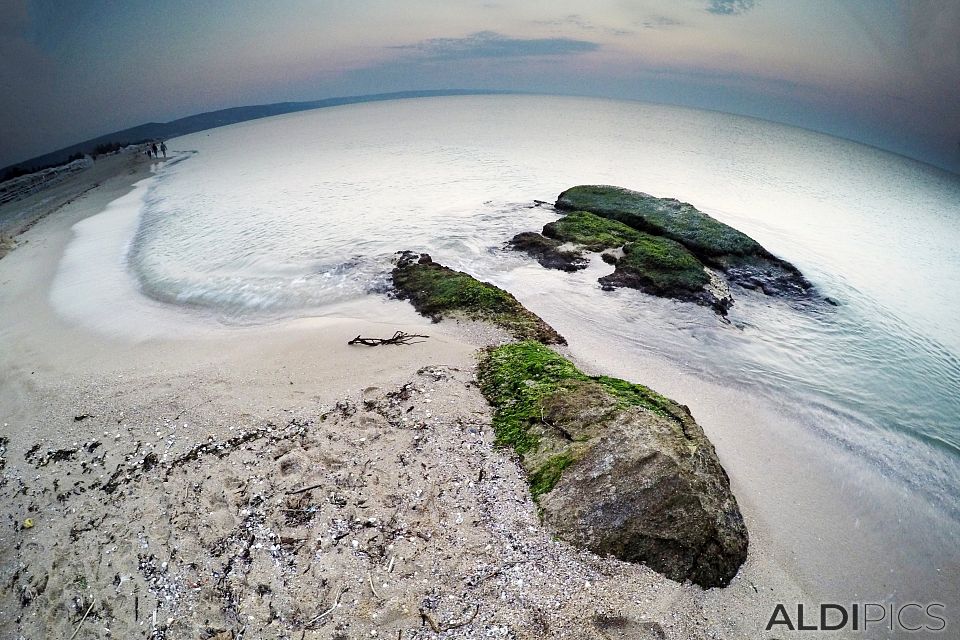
x,y
863,617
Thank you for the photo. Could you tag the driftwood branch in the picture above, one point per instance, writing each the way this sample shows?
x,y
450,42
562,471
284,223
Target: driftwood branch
x,y
398,337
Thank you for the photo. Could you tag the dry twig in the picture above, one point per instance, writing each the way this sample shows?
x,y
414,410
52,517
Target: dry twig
x,y
399,337
80,624
294,492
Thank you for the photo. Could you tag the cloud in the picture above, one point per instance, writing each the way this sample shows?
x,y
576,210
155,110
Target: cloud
x,y
577,21
730,7
489,44
660,22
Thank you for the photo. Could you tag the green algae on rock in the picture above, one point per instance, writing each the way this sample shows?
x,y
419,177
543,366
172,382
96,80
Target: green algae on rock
x,y
614,466
743,260
660,216
562,243
439,292
653,264
590,231
661,267
548,252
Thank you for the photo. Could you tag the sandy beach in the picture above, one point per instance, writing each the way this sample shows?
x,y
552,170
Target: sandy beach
x,y
276,482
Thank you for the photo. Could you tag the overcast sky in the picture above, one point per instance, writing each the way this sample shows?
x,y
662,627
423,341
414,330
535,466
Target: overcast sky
x,y
884,72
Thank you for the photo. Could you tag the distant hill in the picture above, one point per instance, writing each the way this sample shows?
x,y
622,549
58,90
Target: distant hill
x,y
209,120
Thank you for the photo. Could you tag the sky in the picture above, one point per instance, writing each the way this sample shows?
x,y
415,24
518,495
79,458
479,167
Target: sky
x,y
882,72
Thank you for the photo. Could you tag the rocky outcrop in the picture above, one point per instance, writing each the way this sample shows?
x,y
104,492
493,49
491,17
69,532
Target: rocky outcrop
x,y
548,252
615,467
653,264
660,267
743,260
440,292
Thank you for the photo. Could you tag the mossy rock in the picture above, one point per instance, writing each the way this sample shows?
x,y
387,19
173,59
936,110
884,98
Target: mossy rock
x,y
653,264
591,232
660,267
667,217
439,292
548,252
743,260
532,387
614,466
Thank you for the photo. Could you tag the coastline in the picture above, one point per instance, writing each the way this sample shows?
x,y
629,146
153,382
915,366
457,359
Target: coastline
x,y
170,394
19,216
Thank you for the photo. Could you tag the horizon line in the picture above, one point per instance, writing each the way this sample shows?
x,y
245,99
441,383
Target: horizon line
x,y
428,93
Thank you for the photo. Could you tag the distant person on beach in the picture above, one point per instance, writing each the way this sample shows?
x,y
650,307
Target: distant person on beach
x,y
163,149
153,147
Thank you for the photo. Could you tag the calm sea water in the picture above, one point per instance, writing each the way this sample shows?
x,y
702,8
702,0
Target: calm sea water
x,y
295,214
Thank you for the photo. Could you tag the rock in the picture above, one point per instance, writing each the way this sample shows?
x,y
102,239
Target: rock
x,y
714,243
592,232
653,264
615,467
646,491
548,252
439,292
661,267
666,217
773,277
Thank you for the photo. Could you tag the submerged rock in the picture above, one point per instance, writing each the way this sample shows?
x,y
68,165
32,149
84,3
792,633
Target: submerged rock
x,y
660,216
592,232
653,264
548,252
440,292
715,244
661,267
616,467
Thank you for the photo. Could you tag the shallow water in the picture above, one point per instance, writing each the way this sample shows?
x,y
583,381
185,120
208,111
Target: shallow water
x,y
297,214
